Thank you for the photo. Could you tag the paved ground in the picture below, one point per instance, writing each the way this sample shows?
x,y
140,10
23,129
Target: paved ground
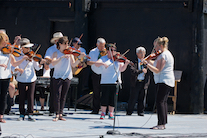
x,y
83,124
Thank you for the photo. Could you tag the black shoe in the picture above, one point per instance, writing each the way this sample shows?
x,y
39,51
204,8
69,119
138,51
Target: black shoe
x,y
128,113
94,112
140,114
51,114
64,114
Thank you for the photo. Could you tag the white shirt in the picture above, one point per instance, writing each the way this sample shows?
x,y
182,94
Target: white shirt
x,y
166,75
141,75
5,74
81,49
63,68
29,74
93,54
46,73
49,53
108,75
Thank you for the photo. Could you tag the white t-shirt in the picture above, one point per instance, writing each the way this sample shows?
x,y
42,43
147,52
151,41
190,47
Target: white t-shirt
x,y
29,74
166,75
108,75
5,74
63,68
46,73
49,53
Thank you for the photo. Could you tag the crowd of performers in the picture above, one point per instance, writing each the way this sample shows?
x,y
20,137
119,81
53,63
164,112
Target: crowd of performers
x,y
106,65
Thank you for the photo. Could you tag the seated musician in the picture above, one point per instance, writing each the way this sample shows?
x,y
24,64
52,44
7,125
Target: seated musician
x,y
109,77
26,78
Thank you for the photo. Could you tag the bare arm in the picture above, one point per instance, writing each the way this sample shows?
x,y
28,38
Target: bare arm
x,y
122,68
16,63
158,68
91,62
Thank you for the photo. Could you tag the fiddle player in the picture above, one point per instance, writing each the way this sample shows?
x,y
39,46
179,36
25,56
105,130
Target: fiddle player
x,y
111,73
139,81
162,69
95,54
63,64
26,78
5,72
49,69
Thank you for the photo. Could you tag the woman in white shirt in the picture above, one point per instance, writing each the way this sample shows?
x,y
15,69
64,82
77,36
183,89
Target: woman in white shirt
x,y
6,61
164,78
26,78
62,76
109,76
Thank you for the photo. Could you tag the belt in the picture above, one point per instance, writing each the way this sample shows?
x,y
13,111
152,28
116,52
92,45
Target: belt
x,y
140,80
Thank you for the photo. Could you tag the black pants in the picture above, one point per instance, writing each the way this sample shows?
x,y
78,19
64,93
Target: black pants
x,y
26,95
137,93
4,84
96,91
51,100
108,94
163,91
60,89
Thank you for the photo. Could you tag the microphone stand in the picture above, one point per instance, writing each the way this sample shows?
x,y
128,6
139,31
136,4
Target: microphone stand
x,y
115,132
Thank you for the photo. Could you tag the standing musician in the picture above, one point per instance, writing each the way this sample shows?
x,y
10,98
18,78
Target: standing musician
x,y
95,54
109,76
139,81
26,78
5,72
47,67
162,69
62,75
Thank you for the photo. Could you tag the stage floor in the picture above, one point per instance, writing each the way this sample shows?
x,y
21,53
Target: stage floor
x,y
82,124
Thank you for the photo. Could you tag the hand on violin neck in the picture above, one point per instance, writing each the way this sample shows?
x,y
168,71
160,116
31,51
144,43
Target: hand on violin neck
x,y
82,55
42,61
25,57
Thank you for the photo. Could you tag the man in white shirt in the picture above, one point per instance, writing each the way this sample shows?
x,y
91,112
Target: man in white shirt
x,y
49,55
95,54
140,80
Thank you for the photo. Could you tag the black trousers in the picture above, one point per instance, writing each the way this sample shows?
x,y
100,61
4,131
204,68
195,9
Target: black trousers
x,y
26,95
163,91
108,94
60,89
96,91
137,93
51,100
4,84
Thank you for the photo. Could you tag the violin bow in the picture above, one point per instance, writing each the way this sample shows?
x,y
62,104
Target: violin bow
x,y
32,57
79,39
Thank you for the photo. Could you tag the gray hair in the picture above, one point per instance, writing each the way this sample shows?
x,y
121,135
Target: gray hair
x,y
140,49
100,40
2,31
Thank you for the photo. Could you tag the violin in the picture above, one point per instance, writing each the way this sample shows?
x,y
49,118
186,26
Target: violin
x,y
36,57
12,49
74,52
104,52
120,58
153,55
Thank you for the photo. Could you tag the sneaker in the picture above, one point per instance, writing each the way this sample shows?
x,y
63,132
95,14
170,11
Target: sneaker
x,y
21,118
31,119
102,116
111,116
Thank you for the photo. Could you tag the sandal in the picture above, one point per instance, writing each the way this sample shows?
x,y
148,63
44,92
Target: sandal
x,y
61,118
55,119
2,120
159,127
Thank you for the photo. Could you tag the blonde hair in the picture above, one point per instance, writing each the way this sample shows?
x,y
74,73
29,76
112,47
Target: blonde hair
x,y
4,37
162,41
